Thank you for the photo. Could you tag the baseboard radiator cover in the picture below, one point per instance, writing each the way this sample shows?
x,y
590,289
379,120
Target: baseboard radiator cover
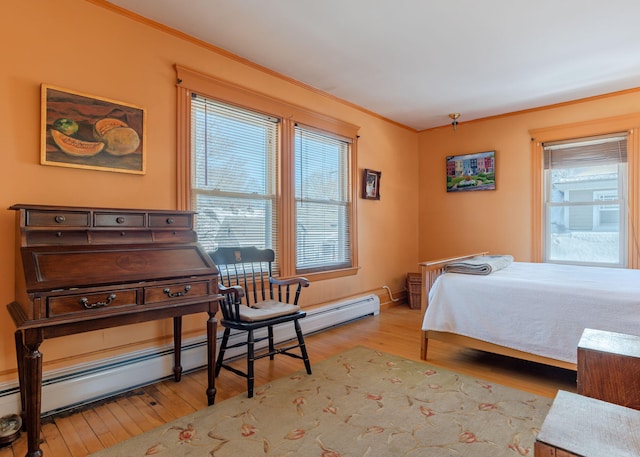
x,y
78,385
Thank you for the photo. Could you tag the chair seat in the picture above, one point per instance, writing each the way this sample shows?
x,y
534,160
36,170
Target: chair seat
x,y
267,309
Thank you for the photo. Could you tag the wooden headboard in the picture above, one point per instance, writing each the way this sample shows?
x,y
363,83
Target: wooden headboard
x,y
430,272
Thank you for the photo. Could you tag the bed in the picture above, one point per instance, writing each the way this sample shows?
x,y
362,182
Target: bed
x,y
532,311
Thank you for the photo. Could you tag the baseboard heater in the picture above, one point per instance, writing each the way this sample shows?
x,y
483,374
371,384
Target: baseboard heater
x,y
78,385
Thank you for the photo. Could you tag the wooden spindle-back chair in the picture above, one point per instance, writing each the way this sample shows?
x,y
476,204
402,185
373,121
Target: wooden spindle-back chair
x,y
254,299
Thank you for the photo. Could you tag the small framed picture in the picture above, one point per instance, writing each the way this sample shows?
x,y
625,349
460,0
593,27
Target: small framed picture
x,y
371,184
86,131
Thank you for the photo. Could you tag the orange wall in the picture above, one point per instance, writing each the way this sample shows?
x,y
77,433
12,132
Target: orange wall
x,y
496,221
86,47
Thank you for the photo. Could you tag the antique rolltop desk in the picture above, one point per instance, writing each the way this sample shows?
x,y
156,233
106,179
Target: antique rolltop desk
x,y
83,269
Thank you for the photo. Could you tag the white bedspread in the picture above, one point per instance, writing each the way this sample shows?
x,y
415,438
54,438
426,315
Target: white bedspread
x,y
538,308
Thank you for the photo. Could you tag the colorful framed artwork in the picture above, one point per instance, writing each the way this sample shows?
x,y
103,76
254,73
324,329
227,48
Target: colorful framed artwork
x,y
85,131
371,184
470,172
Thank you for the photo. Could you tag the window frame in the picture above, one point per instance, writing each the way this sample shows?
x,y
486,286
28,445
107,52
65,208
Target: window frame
x,y
344,200
189,81
630,124
594,206
222,188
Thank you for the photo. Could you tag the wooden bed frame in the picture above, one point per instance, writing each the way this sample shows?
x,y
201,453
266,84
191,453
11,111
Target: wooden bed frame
x,y
430,272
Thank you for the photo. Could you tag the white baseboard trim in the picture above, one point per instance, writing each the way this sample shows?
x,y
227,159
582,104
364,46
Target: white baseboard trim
x,y
77,385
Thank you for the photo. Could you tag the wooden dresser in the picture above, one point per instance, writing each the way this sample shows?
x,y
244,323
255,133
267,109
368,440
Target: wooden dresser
x,y
609,367
84,269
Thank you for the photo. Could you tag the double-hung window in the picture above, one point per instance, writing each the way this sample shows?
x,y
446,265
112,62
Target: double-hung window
x,y
233,172
585,200
322,201
265,173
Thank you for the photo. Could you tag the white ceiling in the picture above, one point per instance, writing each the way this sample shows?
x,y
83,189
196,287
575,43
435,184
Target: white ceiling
x,y
415,61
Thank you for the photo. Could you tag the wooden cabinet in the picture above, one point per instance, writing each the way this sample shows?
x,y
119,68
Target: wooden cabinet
x,y
609,367
83,269
582,426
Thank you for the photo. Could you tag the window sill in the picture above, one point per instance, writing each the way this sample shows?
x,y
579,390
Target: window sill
x,y
323,275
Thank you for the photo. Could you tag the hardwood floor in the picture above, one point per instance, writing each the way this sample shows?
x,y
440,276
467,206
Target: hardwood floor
x,y
395,330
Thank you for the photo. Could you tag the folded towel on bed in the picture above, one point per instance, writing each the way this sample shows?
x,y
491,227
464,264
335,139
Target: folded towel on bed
x,y
479,265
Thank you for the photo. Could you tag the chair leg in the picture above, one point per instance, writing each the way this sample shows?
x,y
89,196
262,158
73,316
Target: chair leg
x,y
250,360
223,348
272,349
303,348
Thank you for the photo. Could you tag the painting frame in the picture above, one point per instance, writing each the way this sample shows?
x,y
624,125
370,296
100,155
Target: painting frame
x,y
471,172
371,184
80,130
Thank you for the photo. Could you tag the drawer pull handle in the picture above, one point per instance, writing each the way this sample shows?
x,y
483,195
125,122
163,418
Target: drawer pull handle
x,y
170,220
120,220
59,219
85,302
170,294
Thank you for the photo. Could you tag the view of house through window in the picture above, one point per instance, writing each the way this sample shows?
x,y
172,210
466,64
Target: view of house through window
x,y
585,201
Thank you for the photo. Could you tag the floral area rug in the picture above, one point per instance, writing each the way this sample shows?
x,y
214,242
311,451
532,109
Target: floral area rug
x,y
360,403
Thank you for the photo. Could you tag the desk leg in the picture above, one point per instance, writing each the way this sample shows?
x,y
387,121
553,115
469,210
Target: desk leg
x,y
212,326
19,339
33,389
177,348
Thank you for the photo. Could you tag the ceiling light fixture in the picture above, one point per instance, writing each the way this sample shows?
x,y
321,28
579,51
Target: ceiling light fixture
x,y
454,117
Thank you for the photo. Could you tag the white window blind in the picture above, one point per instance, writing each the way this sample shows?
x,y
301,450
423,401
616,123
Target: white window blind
x,y
585,200
323,201
234,172
607,149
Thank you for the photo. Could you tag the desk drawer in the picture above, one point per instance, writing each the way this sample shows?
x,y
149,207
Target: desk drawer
x,y
184,290
175,236
85,303
53,237
119,219
40,218
170,220
124,236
